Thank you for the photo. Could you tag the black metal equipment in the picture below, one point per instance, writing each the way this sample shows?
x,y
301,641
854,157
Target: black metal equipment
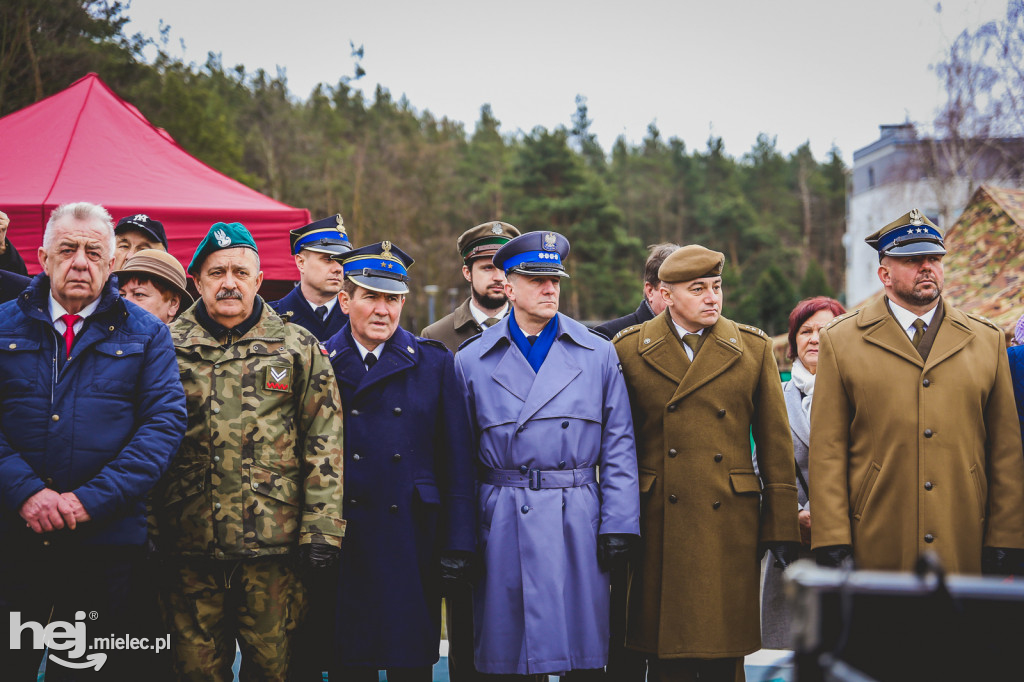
x,y
865,626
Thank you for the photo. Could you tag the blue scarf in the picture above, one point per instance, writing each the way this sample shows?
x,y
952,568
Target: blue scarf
x,y
536,353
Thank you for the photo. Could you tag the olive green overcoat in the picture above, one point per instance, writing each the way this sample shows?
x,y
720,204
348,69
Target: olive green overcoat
x,y
453,328
693,589
908,455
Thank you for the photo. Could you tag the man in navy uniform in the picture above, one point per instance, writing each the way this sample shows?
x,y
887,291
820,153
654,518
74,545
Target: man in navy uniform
x,y
409,485
313,304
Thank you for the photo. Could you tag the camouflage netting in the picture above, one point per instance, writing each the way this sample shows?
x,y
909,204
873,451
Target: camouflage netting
x,y
985,259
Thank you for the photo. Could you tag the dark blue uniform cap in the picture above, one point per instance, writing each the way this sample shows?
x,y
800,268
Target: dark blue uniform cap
x,y
140,222
912,234
379,267
534,253
323,236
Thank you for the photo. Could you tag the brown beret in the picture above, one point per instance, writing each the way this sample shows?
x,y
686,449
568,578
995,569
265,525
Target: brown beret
x,y
485,239
159,264
691,262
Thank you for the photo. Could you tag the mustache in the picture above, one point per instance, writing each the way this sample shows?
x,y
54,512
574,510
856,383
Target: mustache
x,y
229,293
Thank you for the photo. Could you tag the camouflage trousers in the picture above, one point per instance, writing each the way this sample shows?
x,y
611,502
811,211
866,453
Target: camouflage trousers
x,y
209,605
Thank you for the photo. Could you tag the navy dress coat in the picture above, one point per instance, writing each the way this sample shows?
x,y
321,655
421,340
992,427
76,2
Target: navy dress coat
x,y
301,314
1017,372
409,494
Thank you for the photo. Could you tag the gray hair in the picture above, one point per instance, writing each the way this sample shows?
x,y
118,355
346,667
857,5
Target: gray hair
x,y
80,210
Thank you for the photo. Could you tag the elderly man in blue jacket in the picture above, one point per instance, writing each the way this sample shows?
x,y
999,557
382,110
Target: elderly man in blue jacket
x,y
559,501
91,412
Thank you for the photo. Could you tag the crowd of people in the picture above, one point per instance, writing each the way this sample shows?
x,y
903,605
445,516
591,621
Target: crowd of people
x,y
306,480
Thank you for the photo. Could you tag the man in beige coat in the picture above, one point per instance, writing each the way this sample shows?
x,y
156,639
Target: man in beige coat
x,y
487,303
699,384
914,438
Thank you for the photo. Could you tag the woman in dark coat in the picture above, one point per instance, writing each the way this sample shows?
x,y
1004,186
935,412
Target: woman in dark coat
x,y
805,321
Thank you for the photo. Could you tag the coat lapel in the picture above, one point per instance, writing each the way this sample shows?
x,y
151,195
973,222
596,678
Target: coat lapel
x,y
557,372
661,350
953,334
717,353
797,417
348,366
399,354
886,333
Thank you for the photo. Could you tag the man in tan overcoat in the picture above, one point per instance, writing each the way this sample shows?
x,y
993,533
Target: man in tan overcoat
x,y
914,443
699,384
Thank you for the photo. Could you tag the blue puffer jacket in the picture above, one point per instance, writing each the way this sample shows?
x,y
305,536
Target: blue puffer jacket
x,y
104,426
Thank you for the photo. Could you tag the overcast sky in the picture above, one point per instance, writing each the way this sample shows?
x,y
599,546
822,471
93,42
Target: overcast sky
x,y
828,71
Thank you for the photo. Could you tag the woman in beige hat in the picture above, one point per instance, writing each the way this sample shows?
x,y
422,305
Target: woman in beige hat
x,y
155,281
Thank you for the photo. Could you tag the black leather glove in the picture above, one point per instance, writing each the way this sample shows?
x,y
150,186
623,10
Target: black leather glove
x,y
318,556
785,553
613,550
833,556
457,566
1000,560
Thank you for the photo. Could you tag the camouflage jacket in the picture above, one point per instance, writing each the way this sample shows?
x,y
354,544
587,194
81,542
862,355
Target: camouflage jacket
x,y
260,468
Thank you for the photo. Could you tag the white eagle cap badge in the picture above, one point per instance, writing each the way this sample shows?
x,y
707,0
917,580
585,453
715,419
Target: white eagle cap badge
x,y
496,228
222,238
550,241
916,218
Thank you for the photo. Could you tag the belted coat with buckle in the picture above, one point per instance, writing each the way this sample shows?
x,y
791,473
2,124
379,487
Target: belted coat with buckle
x,y
409,494
542,604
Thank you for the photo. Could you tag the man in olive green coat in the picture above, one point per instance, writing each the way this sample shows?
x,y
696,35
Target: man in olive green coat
x,y
487,302
699,384
915,444
258,477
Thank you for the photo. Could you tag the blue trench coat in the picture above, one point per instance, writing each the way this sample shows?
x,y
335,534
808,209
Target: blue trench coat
x,y
409,489
542,604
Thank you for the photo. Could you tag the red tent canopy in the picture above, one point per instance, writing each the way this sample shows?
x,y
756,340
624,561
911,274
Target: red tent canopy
x,y
87,144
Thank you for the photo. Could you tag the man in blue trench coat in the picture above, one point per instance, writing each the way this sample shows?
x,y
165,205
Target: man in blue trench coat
x,y
558,495
409,483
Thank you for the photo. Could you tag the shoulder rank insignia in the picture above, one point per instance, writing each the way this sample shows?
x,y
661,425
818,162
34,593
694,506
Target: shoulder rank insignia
x,y
278,379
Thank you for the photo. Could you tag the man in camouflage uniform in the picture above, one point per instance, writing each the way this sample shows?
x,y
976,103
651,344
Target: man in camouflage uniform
x,y
258,477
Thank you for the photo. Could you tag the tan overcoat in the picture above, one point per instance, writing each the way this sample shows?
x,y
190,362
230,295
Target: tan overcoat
x,y
694,588
909,455
453,328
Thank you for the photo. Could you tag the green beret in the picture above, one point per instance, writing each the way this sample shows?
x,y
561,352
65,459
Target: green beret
x,y
221,236
912,234
691,262
485,239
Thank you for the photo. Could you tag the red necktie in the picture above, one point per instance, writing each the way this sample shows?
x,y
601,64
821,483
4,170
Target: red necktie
x,y
69,333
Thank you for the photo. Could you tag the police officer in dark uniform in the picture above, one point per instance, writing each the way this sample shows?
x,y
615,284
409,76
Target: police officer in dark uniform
x,y
487,302
313,304
409,481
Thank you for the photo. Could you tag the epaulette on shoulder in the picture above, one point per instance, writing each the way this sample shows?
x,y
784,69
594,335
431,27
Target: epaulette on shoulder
x,y
623,333
840,318
984,321
752,330
469,340
598,334
432,342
